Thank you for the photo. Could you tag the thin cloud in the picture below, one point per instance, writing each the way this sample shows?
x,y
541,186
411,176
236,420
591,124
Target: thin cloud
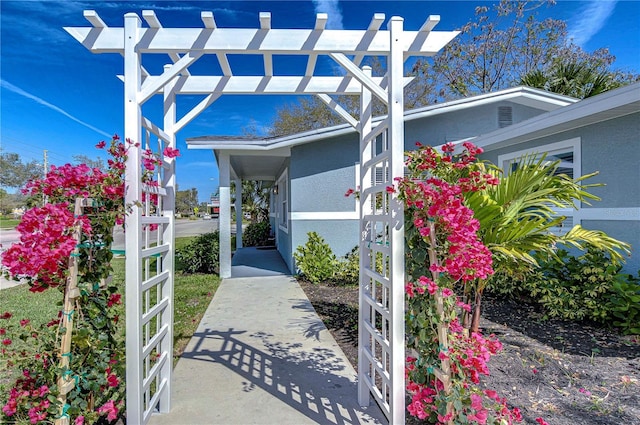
x,y
590,20
331,8
17,90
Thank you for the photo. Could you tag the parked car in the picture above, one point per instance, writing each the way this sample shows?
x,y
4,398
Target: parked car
x,y
206,217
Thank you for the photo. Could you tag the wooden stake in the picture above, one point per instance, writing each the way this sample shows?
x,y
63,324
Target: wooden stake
x,y
65,382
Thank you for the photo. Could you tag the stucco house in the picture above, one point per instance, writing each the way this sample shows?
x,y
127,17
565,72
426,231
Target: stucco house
x,y
310,172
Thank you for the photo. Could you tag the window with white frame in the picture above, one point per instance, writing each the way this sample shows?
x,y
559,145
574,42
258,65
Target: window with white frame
x,y
568,153
282,202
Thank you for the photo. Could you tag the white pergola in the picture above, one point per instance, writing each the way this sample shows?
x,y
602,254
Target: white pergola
x,y
149,261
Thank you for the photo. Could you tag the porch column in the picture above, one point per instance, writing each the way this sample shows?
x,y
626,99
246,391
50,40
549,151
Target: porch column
x,y
238,213
225,215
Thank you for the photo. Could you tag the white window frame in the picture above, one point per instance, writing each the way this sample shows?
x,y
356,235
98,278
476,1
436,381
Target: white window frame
x,y
282,201
573,145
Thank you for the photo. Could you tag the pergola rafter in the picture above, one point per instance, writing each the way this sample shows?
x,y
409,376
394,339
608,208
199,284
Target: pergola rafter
x,y
149,275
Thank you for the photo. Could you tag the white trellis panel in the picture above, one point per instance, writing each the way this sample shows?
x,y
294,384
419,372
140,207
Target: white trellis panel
x,y
149,274
149,239
381,322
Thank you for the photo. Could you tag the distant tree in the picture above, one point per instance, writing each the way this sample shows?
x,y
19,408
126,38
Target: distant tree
x,y
502,45
499,47
91,162
15,173
10,201
255,199
186,201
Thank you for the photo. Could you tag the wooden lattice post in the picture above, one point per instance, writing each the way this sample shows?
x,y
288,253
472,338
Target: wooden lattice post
x,y
71,292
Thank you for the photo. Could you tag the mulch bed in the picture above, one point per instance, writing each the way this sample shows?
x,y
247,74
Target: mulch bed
x,y
565,372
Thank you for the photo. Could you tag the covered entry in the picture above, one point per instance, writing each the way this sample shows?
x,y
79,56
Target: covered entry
x,y
149,289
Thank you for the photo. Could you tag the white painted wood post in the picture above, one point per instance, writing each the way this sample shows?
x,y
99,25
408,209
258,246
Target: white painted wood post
x,y
133,234
238,213
168,236
364,312
225,215
396,140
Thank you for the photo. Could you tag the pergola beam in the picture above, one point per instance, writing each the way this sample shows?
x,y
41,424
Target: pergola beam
x,y
357,73
258,41
202,84
374,26
151,19
196,110
152,85
335,106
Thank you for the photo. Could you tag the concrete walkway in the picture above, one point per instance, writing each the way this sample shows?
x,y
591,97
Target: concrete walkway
x,y
261,355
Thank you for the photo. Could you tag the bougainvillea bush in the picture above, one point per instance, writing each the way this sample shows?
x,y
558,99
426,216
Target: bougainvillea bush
x,y
444,257
92,369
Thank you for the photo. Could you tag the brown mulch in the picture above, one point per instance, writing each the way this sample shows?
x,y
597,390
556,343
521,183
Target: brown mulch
x,y
565,372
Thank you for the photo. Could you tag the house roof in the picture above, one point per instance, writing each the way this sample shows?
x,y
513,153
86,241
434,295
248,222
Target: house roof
x,y
262,158
612,104
523,95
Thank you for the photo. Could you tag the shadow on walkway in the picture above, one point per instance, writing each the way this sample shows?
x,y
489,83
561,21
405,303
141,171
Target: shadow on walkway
x,y
261,355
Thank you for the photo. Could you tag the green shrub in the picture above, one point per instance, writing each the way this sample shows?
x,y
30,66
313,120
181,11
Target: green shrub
x,y
202,255
575,288
315,260
257,234
624,304
348,269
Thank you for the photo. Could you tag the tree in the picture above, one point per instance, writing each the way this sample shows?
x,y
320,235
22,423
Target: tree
x,y
496,49
255,200
14,172
91,162
186,200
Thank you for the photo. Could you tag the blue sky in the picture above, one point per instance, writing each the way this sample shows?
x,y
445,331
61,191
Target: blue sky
x,y
56,95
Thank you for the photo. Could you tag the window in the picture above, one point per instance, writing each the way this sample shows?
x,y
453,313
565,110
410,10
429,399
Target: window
x,y
282,202
568,152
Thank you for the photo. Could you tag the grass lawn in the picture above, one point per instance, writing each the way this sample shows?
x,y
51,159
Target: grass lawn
x,y
8,223
192,295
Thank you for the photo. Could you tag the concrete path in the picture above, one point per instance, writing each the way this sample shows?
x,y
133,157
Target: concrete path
x,y
261,355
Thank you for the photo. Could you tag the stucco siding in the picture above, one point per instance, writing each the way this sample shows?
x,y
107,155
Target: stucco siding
x,y
462,124
321,173
626,231
611,147
341,235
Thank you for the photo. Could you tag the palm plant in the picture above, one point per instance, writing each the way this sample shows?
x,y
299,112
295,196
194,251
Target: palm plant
x,y
255,200
517,218
576,79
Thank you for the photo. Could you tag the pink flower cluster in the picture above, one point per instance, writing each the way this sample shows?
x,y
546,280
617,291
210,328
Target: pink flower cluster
x,y
27,392
482,404
46,241
438,202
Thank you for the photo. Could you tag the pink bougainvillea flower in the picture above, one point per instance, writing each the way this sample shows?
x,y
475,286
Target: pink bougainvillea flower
x,y
110,409
101,144
541,421
6,341
170,152
24,322
6,315
79,420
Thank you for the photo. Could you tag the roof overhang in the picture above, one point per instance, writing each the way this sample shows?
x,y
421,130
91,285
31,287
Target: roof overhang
x,y
612,104
522,95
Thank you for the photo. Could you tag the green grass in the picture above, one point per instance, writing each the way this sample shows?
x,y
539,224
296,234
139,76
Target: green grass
x,y
192,295
8,223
